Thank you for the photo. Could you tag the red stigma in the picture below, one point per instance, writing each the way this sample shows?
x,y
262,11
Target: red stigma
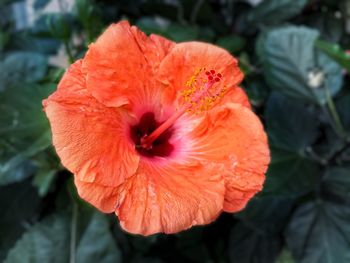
x,y
207,73
217,79
212,71
210,77
219,75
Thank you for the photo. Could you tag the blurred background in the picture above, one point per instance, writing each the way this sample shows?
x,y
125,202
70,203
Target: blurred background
x,y
296,64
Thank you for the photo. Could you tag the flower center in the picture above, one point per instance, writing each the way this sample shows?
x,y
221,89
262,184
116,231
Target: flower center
x,y
160,146
200,94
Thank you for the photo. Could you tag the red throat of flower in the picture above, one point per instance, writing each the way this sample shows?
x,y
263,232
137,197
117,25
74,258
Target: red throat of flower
x,y
201,93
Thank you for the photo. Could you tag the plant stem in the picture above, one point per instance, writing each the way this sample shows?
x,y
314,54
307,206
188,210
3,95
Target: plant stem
x,y
180,13
335,116
89,36
68,51
73,231
195,11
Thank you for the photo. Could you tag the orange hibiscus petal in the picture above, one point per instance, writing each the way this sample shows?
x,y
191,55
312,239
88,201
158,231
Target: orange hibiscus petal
x,y
103,197
186,58
233,136
121,64
89,137
235,95
170,199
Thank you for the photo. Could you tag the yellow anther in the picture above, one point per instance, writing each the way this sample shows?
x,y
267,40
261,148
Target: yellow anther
x,y
198,70
203,90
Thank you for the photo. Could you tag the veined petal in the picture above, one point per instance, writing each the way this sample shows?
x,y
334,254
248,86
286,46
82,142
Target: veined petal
x,y
235,95
170,198
186,58
89,137
121,64
102,197
233,136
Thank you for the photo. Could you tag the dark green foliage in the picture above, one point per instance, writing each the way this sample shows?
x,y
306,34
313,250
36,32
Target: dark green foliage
x,y
24,130
319,232
291,171
39,4
19,67
257,238
292,65
328,24
272,12
20,206
335,52
248,245
294,56
232,43
286,129
49,241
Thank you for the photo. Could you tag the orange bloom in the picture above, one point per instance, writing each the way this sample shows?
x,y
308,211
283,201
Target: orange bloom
x,y
158,132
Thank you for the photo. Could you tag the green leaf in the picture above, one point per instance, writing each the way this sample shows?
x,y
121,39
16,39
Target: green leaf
x,y
285,257
290,124
244,63
206,34
232,43
271,12
89,18
24,130
189,245
47,166
257,237
161,8
290,174
267,214
23,116
20,67
48,241
84,10
345,156
181,33
27,42
4,39
150,25
319,232
173,31
293,66
343,108
7,2
17,167
39,4
19,204
247,245
292,128
104,250
257,91
43,180
335,52
336,182
60,25
329,26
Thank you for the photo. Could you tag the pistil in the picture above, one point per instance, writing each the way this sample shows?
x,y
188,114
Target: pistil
x,y
146,142
200,95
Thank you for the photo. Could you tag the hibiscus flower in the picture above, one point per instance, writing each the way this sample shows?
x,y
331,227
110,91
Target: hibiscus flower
x,y
158,132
